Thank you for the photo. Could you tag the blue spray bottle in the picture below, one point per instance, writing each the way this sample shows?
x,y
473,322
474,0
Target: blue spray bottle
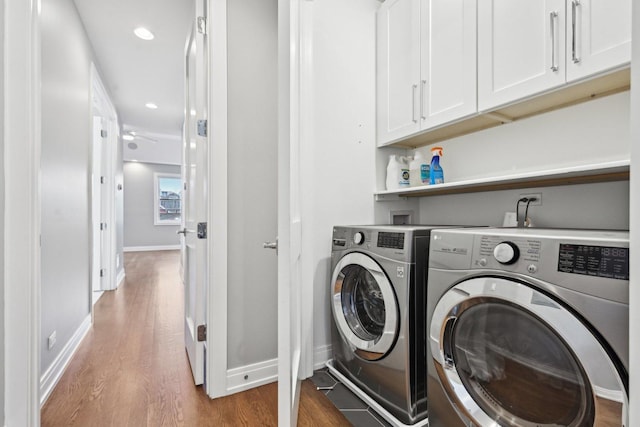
x,y
435,173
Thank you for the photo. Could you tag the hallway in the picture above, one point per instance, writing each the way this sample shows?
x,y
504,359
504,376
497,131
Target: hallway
x,y
132,369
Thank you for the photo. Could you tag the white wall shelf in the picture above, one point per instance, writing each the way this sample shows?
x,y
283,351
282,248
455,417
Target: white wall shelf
x,y
581,174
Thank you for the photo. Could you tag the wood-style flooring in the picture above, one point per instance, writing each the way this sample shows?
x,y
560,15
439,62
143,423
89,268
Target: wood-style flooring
x,y
132,368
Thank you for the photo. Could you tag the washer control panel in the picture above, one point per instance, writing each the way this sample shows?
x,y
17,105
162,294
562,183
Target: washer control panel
x,y
520,254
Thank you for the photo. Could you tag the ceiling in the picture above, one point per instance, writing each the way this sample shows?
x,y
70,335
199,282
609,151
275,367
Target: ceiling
x,y
136,71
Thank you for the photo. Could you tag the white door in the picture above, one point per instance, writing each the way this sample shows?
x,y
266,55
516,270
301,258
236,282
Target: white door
x,y
521,49
448,61
398,68
289,221
194,171
599,36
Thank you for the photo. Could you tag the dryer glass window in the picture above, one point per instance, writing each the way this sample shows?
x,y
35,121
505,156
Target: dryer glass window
x,y
363,303
518,370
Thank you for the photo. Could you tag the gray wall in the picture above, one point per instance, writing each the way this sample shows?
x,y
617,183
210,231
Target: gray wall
x,y
2,215
252,133
66,59
139,229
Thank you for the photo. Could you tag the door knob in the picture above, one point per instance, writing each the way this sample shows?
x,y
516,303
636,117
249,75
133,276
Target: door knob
x,y
271,245
183,231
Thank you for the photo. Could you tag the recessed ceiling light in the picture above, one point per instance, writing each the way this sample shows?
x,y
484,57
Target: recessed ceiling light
x,y
127,137
143,33
151,105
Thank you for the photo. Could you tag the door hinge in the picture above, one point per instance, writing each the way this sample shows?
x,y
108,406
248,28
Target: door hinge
x,y
202,230
202,25
102,180
202,127
103,133
102,272
202,332
103,226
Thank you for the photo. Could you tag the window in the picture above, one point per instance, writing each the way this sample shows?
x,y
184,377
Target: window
x,y
167,199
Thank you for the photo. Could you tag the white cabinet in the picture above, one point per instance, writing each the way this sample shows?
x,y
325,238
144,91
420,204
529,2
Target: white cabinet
x,y
526,47
599,36
520,46
426,65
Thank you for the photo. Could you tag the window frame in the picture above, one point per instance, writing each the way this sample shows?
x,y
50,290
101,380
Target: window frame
x,y
156,199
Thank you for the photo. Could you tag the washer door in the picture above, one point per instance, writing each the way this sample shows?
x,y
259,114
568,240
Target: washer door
x,y
509,355
364,306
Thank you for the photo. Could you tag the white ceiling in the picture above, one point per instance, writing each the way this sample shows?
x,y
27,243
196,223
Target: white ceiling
x,y
136,71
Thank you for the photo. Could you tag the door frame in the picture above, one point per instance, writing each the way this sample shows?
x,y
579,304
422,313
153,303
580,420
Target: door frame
x,y
22,142
102,106
216,313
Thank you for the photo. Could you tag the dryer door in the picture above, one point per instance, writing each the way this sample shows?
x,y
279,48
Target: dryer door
x,y
509,355
364,306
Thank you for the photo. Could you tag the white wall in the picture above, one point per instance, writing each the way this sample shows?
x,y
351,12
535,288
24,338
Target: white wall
x,y
139,229
66,137
338,153
634,290
252,188
2,184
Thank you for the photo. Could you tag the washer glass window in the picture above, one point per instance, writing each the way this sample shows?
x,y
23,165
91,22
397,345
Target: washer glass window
x,y
498,348
363,303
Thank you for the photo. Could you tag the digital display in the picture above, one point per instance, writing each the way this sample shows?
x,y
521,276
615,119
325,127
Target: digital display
x,y
391,240
596,261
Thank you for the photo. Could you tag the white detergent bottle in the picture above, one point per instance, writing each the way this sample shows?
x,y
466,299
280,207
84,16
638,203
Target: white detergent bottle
x,y
418,170
397,173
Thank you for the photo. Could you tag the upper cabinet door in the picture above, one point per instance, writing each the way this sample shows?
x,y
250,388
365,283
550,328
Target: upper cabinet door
x,y
598,36
521,49
398,67
448,61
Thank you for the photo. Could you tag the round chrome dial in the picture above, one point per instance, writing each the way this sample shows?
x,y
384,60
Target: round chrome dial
x,y
506,253
358,238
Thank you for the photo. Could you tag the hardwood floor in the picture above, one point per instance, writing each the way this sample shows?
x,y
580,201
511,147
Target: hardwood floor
x,y
132,368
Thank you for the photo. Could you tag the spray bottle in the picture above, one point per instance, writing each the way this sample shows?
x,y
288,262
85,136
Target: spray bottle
x,y
436,174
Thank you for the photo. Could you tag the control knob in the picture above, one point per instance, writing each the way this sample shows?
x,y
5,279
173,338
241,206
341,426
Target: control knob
x,y
358,238
506,253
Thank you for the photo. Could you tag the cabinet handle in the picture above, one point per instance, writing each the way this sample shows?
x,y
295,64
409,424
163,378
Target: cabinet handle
x,y
574,32
413,101
554,53
423,91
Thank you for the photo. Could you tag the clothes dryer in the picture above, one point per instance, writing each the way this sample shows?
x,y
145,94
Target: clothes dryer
x,y
378,291
528,327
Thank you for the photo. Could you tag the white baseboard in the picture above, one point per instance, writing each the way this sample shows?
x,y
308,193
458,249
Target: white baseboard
x,y
51,377
120,278
614,395
257,374
151,248
321,355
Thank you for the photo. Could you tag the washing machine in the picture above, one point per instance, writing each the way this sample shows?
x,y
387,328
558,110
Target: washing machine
x,y
378,291
528,327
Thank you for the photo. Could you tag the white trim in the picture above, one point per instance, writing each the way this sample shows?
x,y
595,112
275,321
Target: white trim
x,y
120,278
370,401
22,135
149,248
257,374
321,355
51,377
217,250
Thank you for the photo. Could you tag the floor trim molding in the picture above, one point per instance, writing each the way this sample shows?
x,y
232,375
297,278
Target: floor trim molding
x,y
250,376
321,355
120,278
151,248
51,377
